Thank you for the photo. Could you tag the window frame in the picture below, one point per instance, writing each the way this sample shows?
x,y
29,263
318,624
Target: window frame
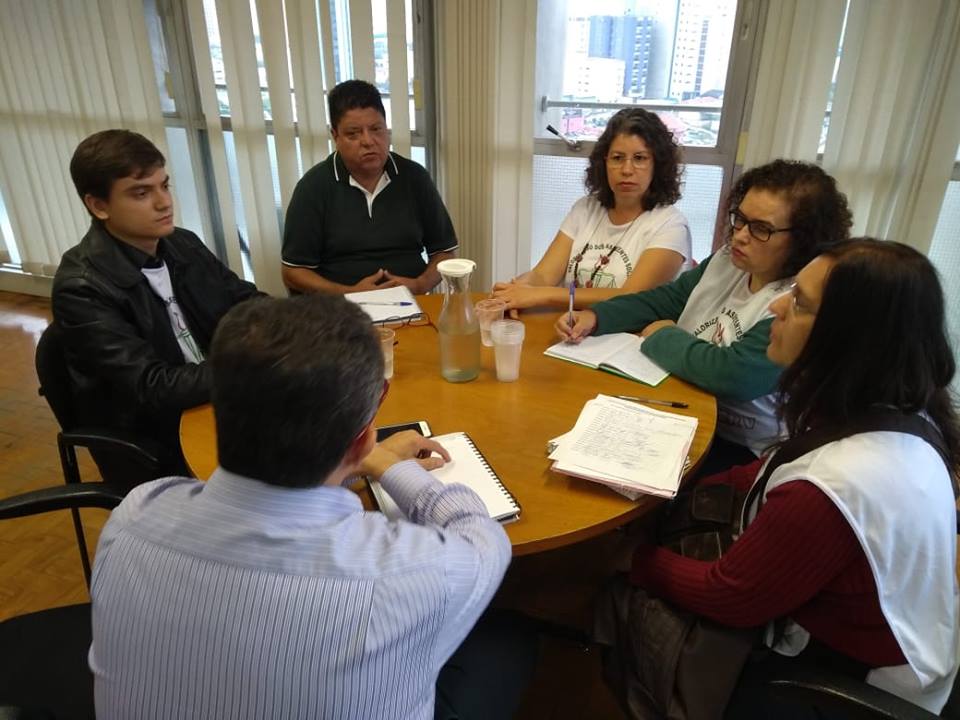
x,y
188,115
738,91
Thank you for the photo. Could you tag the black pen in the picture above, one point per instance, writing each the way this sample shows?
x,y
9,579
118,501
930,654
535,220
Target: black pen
x,y
654,401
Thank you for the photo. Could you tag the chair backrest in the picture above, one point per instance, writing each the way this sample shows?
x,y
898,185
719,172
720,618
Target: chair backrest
x,y
55,383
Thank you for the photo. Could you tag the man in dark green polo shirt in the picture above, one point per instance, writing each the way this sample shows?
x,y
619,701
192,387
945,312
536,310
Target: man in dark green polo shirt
x,y
363,218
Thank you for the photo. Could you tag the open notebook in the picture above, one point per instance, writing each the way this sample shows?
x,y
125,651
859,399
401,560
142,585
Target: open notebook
x,y
387,304
630,448
468,467
618,353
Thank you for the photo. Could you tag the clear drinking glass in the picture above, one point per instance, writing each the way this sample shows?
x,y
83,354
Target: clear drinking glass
x,y
508,347
387,338
487,311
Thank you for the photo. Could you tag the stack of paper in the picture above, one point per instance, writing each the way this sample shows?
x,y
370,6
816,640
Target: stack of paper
x,y
388,304
630,448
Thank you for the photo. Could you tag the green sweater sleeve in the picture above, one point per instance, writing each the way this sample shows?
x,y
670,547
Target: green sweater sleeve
x,y
739,372
632,313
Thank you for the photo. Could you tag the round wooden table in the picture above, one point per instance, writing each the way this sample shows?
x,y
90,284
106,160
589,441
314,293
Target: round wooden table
x,y
510,424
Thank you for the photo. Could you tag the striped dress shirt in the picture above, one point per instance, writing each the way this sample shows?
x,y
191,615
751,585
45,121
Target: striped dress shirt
x,y
238,599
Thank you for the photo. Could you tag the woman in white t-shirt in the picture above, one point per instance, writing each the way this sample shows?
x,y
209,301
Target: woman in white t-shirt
x,y
625,235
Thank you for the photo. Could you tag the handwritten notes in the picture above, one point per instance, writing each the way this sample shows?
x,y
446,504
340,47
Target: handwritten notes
x,y
632,448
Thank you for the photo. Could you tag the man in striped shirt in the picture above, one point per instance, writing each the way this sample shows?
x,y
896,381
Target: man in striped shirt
x,y
268,591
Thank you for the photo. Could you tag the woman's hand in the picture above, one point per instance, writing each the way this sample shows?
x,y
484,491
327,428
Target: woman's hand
x,y
518,296
584,323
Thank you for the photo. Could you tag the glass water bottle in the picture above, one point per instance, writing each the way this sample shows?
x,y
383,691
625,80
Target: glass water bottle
x,y
458,326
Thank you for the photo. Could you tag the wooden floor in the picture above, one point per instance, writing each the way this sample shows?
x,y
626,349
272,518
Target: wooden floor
x,y
39,563
40,567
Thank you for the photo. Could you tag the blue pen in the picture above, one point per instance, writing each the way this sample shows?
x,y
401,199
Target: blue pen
x,y
398,303
573,285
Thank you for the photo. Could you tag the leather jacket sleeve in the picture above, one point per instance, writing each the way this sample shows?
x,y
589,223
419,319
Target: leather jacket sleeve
x,y
102,343
229,284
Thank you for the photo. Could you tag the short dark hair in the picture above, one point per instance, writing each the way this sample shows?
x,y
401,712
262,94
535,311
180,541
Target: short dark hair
x,y
294,382
879,338
667,169
350,95
109,155
819,216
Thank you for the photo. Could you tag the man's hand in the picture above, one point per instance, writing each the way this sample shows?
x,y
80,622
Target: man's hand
x,y
403,446
413,283
379,279
584,323
656,325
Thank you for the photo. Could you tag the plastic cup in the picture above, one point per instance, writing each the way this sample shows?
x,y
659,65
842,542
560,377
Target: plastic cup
x,y
488,311
507,345
387,337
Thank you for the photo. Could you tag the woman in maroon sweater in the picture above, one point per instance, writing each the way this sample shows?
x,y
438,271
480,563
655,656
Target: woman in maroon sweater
x,y
862,328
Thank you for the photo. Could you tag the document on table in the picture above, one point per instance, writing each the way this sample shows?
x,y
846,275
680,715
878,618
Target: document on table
x,y
618,353
630,447
387,304
468,467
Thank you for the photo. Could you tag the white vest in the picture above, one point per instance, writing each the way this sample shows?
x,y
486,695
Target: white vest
x,y
720,310
894,491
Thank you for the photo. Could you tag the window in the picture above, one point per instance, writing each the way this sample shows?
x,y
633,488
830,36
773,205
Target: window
x,y
676,58
671,57
945,255
8,248
186,136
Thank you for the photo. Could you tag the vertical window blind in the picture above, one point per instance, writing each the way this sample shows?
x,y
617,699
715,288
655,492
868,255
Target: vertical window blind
x,y
67,69
281,109
888,89
262,70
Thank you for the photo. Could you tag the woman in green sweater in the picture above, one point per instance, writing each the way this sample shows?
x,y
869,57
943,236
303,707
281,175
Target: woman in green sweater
x,y
711,326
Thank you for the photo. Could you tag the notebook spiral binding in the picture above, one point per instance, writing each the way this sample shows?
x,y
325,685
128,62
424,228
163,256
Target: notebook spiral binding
x,y
496,478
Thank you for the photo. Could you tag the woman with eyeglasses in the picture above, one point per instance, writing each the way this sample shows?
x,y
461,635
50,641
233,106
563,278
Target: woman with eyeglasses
x,y
711,325
625,235
851,545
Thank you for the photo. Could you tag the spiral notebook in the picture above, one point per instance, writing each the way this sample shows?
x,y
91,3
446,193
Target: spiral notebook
x,y
468,467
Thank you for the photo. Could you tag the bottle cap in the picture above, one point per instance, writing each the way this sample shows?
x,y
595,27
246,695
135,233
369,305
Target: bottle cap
x,y
456,267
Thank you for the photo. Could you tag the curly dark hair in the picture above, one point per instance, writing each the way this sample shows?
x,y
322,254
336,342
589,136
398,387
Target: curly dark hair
x,y
849,364
667,168
819,216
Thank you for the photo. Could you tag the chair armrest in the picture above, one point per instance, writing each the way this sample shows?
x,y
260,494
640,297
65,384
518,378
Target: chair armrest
x,y
61,497
844,697
141,450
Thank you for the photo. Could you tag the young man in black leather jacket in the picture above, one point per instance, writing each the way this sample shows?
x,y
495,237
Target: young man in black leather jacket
x,y
137,300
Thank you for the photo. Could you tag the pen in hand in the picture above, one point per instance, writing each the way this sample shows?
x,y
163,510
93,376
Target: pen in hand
x,y
654,401
573,286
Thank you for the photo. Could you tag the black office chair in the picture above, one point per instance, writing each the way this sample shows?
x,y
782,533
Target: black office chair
x,y
109,447
851,699
848,698
43,655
